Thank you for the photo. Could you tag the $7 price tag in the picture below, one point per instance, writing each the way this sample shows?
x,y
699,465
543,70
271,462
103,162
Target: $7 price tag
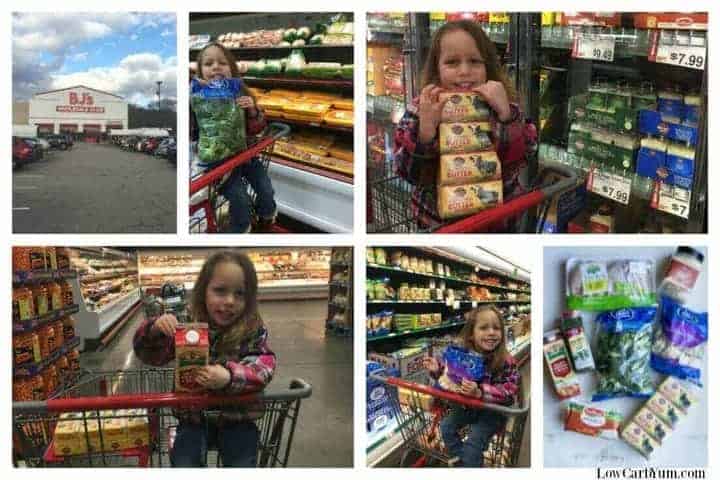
x,y
594,47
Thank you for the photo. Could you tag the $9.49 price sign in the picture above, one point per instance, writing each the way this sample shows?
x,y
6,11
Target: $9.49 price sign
x,y
688,56
594,47
610,185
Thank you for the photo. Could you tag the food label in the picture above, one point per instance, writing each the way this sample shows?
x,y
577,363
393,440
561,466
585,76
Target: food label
x,y
191,353
666,410
637,438
594,278
682,274
594,47
559,365
464,107
672,200
652,424
469,168
24,310
687,56
454,201
464,137
580,350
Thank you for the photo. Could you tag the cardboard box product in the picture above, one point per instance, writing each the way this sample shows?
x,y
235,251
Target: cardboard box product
x,y
459,200
69,437
114,434
408,361
650,157
464,137
138,427
191,353
469,168
464,107
680,161
651,122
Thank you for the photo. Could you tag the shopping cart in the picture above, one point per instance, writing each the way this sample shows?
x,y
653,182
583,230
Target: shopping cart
x,y
419,408
211,203
34,422
391,198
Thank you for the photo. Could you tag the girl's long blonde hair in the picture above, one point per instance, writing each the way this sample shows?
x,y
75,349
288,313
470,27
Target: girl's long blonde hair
x,y
250,320
495,71
496,359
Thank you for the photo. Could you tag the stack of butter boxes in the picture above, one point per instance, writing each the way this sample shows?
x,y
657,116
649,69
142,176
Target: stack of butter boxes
x,y
104,431
469,177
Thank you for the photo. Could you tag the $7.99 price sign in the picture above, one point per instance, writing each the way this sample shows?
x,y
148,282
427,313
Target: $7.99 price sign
x,y
610,185
687,56
594,47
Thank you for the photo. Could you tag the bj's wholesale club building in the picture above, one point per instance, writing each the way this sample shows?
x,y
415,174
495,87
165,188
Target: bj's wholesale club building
x,y
84,112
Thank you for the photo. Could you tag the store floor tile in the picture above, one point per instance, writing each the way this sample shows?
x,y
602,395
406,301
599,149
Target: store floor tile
x,y
323,437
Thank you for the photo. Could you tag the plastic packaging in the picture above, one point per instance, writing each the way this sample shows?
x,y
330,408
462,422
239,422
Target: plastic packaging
x,y
597,285
592,421
682,273
23,304
622,353
463,364
679,342
40,298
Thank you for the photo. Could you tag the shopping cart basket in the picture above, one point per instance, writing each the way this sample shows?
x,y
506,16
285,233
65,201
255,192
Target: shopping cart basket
x,y
391,198
211,180
98,396
419,408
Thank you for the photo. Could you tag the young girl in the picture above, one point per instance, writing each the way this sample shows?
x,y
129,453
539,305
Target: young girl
x,y
483,332
224,296
461,57
216,62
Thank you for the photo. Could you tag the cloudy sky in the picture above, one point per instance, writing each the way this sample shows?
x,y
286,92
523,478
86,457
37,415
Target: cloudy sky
x,y
120,53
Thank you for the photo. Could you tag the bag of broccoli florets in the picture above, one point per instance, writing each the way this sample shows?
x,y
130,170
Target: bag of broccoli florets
x,y
220,120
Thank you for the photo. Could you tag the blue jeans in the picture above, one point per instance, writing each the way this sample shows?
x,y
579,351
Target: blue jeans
x,y
235,191
237,444
483,425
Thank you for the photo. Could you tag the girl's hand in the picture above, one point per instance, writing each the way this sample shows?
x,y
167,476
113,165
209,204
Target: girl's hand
x,y
165,324
429,112
469,388
213,377
201,81
431,364
247,103
495,95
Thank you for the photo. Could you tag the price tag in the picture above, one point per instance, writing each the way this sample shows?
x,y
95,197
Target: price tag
x,y
456,305
674,200
688,56
594,47
610,185
474,304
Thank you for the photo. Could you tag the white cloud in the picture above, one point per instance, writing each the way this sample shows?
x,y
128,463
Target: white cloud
x,y
167,32
134,37
79,57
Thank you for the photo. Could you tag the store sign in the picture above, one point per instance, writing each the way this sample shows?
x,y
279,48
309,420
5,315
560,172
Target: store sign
x,y
594,47
688,56
610,185
671,199
80,103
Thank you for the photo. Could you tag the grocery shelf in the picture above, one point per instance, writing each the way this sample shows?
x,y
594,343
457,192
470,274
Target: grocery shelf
x,y
443,302
29,369
37,321
106,276
299,82
325,126
408,333
383,442
389,269
29,278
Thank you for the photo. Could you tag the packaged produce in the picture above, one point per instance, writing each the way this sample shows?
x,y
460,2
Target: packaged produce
x,y
597,285
191,354
23,304
592,421
459,200
622,353
370,255
574,333
558,362
682,273
464,137
322,70
636,437
469,168
220,119
464,107
40,299
679,342
26,348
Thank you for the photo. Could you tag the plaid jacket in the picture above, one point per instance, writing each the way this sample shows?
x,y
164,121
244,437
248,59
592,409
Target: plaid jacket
x,y
417,162
252,363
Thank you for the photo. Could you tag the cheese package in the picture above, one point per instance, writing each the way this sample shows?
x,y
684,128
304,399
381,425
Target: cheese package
x,y
308,108
138,428
341,152
639,439
306,146
69,438
343,118
664,408
652,424
289,94
343,104
679,395
114,433
459,200
464,137
469,168
191,353
464,107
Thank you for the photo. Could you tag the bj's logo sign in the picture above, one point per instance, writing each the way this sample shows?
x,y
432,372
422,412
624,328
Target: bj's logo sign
x,y
80,103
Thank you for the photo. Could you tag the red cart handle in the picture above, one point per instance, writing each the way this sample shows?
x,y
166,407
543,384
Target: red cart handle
x,y
281,130
481,221
450,396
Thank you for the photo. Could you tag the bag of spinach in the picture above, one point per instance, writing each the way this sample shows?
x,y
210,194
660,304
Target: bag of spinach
x,y
622,353
220,120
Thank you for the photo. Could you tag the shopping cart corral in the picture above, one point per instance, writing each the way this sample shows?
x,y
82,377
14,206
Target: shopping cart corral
x,y
391,198
418,409
101,396
209,203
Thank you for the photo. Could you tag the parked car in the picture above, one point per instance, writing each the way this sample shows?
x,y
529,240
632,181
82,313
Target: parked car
x,y
44,144
162,149
36,147
58,142
22,152
150,145
69,139
171,154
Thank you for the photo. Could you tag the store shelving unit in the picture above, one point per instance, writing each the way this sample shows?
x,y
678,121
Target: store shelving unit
x,y
105,307
340,313
314,194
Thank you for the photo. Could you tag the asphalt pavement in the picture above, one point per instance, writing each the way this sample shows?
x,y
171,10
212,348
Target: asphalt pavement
x,y
95,188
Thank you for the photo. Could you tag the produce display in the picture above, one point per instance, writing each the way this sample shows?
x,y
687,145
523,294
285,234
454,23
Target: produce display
x,y
338,32
295,66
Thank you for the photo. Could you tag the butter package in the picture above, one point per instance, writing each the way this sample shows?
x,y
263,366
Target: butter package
x,y
665,409
692,110
114,434
680,396
639,439
464,137
459,200
191,353
69,438
469,168
138,428
464,107
652,424
680,162
651,122
651,156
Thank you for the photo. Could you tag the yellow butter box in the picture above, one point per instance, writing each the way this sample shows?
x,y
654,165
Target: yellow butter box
x,y
138,427
69,438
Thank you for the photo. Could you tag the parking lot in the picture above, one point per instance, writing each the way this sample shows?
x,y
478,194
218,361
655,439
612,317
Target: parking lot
x,y
95,188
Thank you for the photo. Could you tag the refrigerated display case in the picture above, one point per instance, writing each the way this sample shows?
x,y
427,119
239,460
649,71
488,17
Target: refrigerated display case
x,y
340,301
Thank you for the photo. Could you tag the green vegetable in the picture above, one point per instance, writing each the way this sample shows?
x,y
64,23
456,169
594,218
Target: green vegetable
x,y
290,35
222,127
320,28
304,33
295,64
316,40
284,44
257,68
346,71
298,43
273,67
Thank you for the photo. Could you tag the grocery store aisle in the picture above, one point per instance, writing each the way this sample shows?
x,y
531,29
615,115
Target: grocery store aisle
x,y
324,435
95,189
